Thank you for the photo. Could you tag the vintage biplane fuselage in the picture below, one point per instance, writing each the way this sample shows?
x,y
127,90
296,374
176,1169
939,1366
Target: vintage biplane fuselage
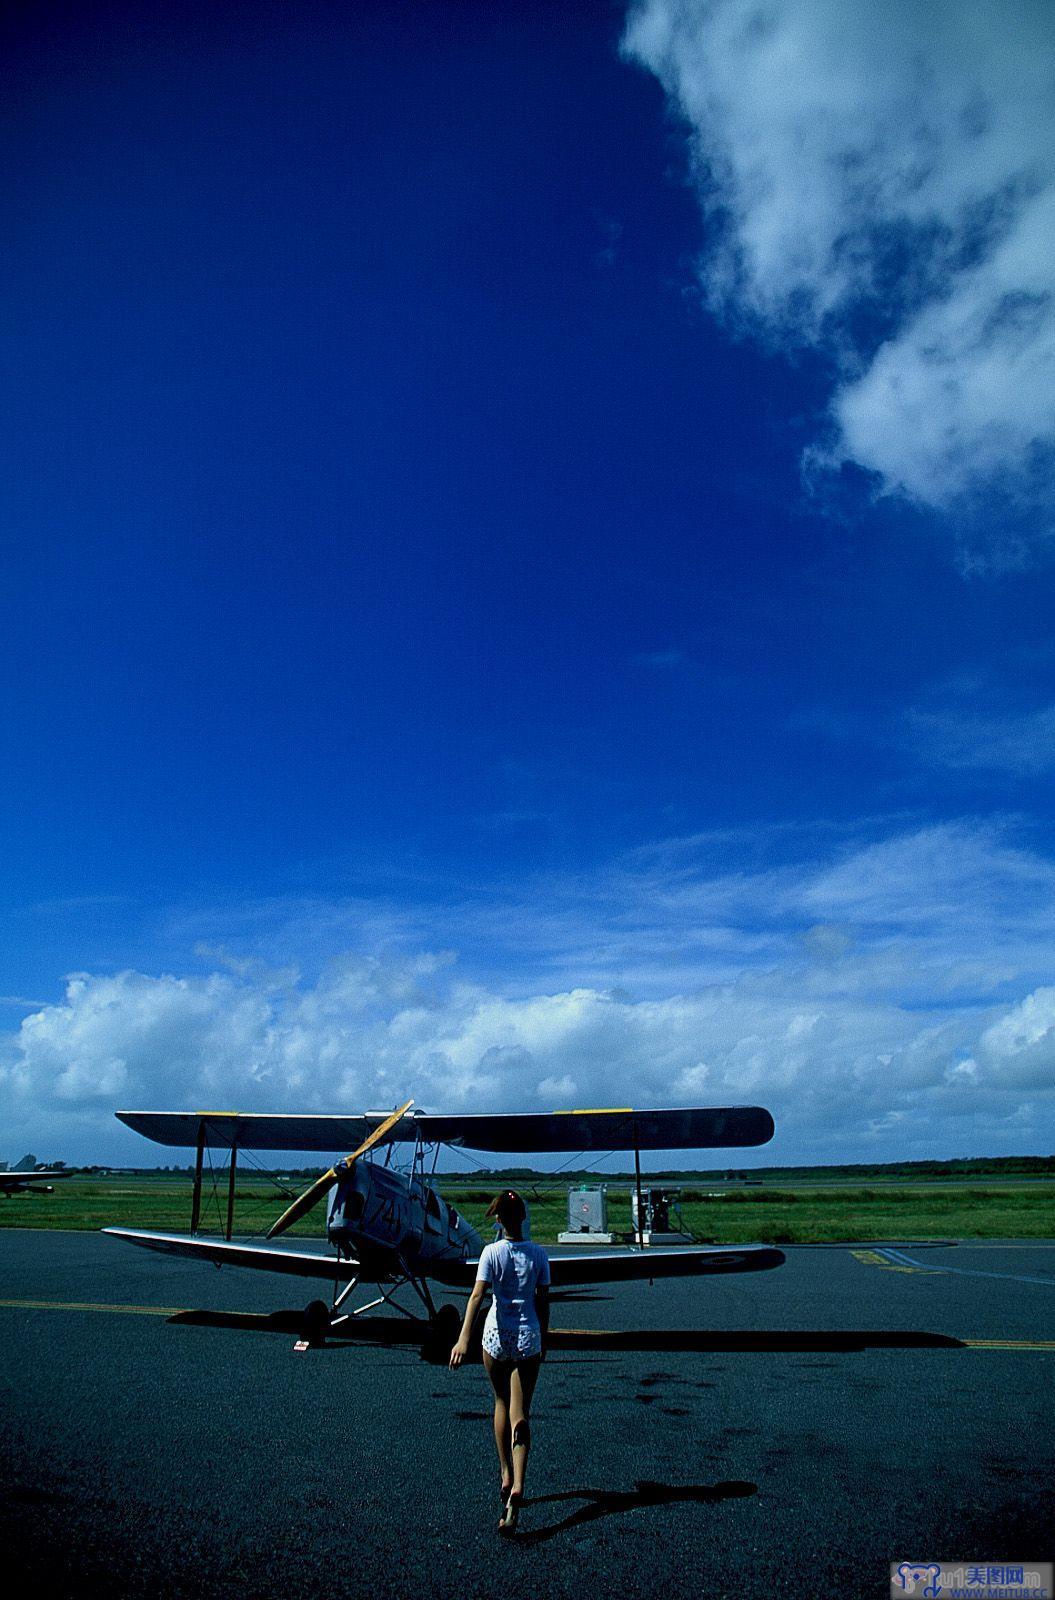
x,y
393,1224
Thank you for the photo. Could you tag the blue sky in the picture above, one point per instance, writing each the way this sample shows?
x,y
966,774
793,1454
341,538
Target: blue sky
x,y
527,565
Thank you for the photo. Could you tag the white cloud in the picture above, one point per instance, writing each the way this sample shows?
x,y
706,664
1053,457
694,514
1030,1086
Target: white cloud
x,y
1021,743
878,178
890,998
558,1091
1019,1048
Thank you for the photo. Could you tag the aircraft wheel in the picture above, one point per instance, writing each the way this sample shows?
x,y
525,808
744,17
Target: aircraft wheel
x,y
449,1325
317,1322
443,1332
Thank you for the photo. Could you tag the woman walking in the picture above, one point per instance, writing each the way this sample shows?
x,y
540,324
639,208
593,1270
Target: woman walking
x,y
517,1272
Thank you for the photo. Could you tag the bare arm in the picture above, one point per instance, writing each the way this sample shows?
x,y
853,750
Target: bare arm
x,y
472,1311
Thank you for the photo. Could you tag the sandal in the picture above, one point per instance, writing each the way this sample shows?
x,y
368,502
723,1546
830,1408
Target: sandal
x,y
511,1514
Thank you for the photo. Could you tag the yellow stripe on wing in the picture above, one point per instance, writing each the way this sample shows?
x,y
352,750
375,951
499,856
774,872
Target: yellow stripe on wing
x,y
596,1111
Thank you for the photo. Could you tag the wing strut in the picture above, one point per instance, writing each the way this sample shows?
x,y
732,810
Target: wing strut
x,y
230,1187
637,1181
199,1157
200,1143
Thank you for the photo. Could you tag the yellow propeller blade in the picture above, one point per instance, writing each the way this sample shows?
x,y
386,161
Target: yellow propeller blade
x,y
312,1195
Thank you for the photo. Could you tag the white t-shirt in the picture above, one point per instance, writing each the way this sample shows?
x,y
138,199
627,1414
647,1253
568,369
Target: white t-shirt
x,y
514,1268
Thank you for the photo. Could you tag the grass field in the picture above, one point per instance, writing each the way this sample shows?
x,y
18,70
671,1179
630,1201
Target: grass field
x,y
790,1213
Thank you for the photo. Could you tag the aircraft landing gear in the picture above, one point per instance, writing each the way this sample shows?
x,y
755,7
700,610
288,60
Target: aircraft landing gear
x,y
314,1327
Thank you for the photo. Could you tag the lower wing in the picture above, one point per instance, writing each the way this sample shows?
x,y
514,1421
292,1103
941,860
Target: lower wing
x,y
569,1267
576,1266
299,1263
622,1266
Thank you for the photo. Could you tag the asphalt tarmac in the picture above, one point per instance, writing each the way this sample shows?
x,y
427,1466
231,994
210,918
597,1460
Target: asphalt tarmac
x,y
782,1433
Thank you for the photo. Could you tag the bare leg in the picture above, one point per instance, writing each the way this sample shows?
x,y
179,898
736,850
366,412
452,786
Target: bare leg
x,y
499,1374
522,1382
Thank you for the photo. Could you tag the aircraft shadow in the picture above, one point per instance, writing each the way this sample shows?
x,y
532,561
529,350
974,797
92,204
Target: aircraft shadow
x,y
748,1341
577,1294
381,1330
373,1330
613,1502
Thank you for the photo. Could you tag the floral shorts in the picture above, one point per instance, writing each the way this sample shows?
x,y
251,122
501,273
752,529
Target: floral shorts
x,y
513,1342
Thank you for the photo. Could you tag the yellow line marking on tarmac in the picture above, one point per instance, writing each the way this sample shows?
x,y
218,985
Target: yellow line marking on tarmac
x,y
872,1258
1009,1344
598,1333
91,1305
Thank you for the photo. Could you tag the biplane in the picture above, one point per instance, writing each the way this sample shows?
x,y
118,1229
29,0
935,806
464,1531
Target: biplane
x,y
392,1228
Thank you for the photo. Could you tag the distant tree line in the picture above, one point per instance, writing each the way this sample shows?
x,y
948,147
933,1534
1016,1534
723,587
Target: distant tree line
x,y
496,1177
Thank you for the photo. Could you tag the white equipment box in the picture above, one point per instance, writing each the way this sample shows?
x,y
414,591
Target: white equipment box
x,y
587,1217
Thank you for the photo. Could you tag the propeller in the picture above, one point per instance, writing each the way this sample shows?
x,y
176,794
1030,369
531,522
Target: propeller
x,y
312,1195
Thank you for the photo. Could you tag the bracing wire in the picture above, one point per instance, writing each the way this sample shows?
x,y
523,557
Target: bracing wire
x,y
214,1190
251,1203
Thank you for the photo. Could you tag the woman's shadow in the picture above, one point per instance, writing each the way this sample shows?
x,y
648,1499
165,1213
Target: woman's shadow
x,y
612,1502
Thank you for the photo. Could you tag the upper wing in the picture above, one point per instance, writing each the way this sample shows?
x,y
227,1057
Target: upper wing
x,y
299,1263
684,1128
